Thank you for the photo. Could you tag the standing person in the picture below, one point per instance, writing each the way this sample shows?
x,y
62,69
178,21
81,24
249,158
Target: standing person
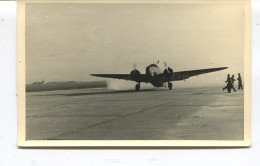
x,y
228,81
240,86
232,81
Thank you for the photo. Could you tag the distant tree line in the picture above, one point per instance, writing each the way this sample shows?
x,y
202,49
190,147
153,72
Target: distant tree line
x,y
63,85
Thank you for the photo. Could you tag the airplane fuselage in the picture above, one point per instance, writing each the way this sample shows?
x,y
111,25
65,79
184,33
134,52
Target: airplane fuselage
x,y
156,75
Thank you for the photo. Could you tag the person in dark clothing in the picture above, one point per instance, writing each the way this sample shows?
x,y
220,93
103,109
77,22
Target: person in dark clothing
x,y
230,85
240,86
228,81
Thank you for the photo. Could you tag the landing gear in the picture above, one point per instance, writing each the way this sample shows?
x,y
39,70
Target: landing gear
x,y
170,85
137,87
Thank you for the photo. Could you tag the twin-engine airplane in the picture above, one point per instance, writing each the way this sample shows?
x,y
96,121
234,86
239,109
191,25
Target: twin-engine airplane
x,y
156,77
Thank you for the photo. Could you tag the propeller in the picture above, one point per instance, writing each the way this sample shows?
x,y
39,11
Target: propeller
x,y
135,74
134,66
165,65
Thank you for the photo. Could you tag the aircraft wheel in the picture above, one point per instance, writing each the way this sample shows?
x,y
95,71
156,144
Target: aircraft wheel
x,y
137,87
170,85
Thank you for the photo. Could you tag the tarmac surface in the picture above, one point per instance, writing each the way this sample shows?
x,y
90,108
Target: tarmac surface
x,y
150,114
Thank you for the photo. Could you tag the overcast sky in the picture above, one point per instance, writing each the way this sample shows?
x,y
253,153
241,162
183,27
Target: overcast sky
x,y
70,41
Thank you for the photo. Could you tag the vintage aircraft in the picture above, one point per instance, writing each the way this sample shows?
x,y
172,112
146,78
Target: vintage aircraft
x,y
156,77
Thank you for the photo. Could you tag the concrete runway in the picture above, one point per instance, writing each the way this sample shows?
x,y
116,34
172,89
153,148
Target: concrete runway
x,y
156,114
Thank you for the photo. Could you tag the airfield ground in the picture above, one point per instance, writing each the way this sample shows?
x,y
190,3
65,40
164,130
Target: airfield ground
x,y
155,114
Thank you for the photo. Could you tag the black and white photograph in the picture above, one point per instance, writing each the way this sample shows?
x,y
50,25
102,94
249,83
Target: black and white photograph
x,y
96,73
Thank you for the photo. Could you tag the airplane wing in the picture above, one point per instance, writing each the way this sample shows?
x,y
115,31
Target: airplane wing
x,y
182,75
144,77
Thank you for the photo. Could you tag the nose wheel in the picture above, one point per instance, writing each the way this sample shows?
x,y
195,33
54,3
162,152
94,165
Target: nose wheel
x,y
137,87
170,85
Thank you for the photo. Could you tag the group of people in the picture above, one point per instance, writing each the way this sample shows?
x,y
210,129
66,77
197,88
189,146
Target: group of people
x,y
230,83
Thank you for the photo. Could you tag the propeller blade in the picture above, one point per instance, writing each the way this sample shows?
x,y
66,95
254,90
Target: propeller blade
x,y
134,65
165,65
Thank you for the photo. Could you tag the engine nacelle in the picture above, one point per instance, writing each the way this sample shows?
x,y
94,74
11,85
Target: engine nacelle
x,y
168,72
136,75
